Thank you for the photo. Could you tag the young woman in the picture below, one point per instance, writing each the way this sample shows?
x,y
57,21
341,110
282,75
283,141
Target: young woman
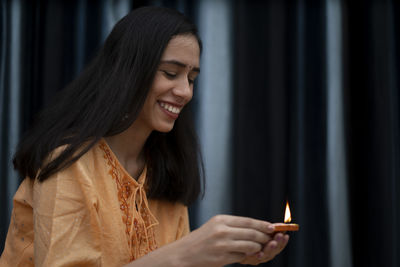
x,y
112,166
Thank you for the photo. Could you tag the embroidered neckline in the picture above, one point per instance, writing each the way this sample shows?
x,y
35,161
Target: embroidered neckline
x,y
138,220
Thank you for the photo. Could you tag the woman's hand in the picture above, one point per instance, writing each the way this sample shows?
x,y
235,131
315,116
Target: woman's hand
x,y
269,251
223,240
228,239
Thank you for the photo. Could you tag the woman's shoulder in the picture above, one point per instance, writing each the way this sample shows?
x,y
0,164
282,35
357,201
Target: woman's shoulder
x,y
87,156
83,166
61,148
75,180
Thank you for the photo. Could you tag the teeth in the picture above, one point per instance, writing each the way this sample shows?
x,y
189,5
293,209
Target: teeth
x,y
170,108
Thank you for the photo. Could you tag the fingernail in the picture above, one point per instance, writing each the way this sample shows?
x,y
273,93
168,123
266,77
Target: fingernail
x,y
260,254
271,228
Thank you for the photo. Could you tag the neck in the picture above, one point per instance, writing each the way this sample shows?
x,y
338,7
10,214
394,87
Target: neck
x,y
128,148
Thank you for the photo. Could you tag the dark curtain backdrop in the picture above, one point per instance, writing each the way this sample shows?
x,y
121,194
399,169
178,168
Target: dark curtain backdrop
x,y
372,108
279,117
280,122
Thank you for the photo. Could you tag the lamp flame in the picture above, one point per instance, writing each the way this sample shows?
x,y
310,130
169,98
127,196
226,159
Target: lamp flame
x,y
288,216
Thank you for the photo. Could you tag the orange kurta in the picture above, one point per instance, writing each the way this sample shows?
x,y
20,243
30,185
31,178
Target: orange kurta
x,y
93,213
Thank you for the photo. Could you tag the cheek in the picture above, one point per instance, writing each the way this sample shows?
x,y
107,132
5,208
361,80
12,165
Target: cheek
x,y
148,105
160,81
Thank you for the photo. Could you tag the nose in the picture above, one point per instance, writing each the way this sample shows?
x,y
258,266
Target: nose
x,y
183,90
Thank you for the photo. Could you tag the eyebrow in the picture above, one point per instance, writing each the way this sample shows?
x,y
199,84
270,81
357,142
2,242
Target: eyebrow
x,y
180,64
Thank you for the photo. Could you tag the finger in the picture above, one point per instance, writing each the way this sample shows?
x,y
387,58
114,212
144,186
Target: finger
x,y
278,237
245,222
234,257
270,250
250,234
276,245
282,242
273,248
246,247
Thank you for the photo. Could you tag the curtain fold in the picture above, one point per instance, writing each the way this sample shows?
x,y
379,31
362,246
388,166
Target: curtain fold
x,y
10,99
214,97
372,129
339,223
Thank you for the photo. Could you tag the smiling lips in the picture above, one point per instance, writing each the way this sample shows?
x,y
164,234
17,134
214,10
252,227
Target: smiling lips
x,y
171,110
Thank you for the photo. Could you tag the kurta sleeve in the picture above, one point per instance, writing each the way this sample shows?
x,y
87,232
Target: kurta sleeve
x,y
18,249
66,226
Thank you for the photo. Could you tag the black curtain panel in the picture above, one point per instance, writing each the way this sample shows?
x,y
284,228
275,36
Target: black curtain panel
x,y
280,126
372,114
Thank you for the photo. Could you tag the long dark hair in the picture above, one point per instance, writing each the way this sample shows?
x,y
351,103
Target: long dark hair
x,y
105,100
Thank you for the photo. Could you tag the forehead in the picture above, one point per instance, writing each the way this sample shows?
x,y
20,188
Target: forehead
x,y
183,48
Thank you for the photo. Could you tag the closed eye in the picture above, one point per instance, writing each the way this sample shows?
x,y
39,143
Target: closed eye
x,y
169,74
173,75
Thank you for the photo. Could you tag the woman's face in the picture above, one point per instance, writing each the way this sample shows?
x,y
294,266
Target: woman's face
x,y
172,87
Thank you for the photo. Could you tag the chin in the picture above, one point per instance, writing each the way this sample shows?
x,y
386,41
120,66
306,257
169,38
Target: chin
x,y
165,128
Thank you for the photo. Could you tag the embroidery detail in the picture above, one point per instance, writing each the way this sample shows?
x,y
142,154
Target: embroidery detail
x,y
136,214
